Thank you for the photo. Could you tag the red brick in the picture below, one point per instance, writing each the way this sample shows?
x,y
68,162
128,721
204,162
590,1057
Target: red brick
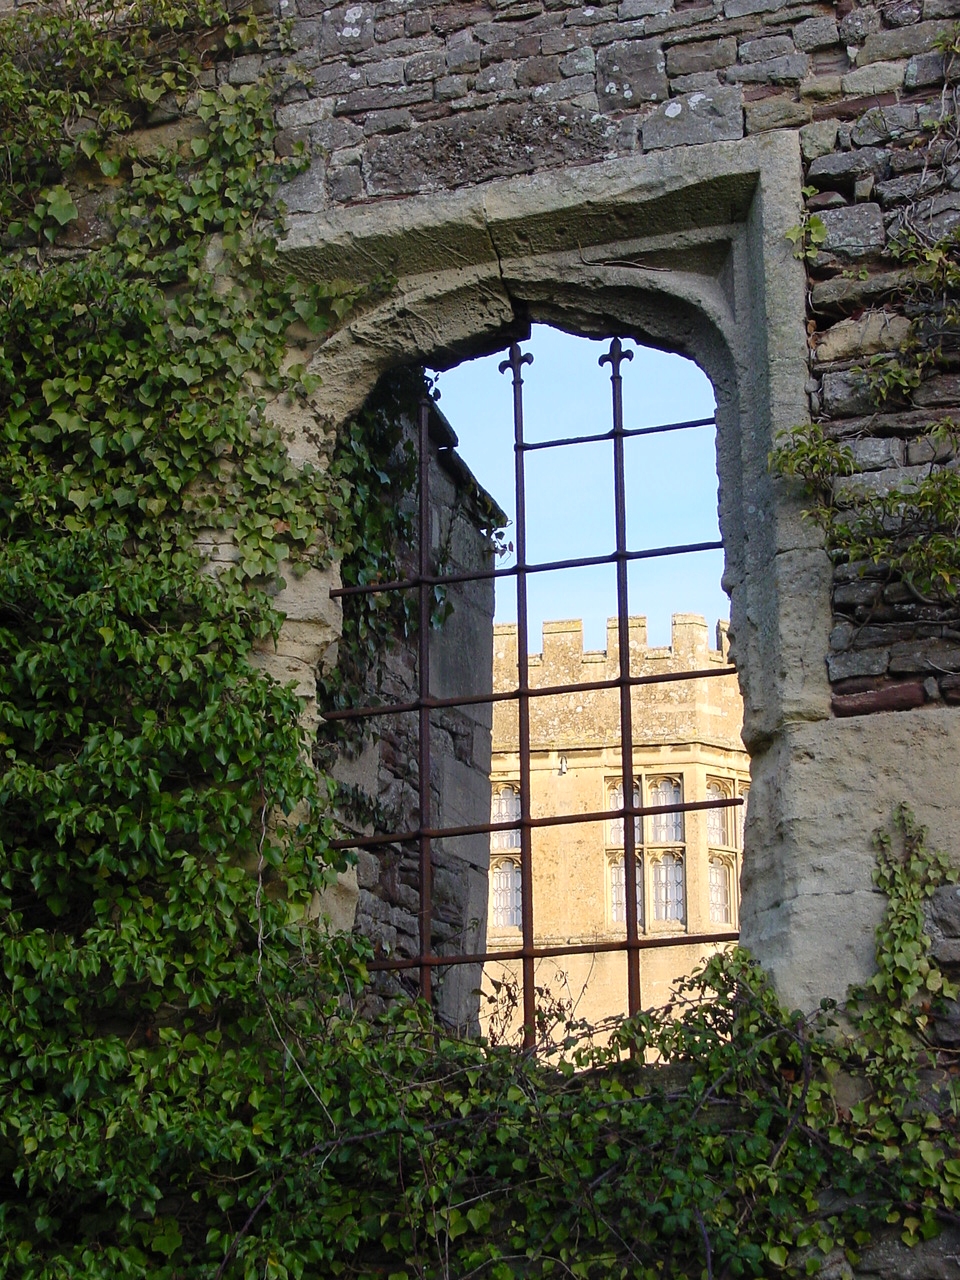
x,y
891,697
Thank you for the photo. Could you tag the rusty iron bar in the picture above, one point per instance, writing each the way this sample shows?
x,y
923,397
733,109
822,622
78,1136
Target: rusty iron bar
x,y
540,691
551,820
615,357
629,433
515,363
425,914
649,942
548,566
630,812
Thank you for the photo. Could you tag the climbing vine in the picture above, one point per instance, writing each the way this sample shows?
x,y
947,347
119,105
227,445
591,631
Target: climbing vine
x,y
186,1088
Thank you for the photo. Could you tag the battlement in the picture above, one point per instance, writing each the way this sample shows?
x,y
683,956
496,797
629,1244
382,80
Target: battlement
x,y
563,657
708,710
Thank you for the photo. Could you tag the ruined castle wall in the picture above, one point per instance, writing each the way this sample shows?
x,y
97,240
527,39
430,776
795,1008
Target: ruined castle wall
x,y
634,168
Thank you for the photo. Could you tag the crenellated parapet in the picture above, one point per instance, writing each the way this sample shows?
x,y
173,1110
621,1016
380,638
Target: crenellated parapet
x,y
707,709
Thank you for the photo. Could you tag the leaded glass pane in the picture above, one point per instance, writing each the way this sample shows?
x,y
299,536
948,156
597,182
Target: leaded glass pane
x,y
666,828
668,888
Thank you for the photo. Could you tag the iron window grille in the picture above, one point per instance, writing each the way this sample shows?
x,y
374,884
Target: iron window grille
x,y
666,806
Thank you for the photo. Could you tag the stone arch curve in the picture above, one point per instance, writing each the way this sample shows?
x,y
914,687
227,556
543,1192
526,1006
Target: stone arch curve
x,y
683,249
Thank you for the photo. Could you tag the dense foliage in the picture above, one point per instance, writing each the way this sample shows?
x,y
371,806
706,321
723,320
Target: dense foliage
x,y
186,1090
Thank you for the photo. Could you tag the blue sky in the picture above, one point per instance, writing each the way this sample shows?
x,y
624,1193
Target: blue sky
x,y
671,479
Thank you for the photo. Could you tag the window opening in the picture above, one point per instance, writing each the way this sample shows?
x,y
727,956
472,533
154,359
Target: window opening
x,y
618,890
506,893
720,889
615,834
668,888
512,820
506,808
666,820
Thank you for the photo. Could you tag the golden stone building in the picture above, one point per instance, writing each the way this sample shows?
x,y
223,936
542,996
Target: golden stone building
x,y
686,748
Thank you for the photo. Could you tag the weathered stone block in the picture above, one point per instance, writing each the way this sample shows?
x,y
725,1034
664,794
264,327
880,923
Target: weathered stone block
x,y
425,66
630,9
924,69
578,87
941,9
497,79
822,89
387,121
850,294
842,168
855,231
859,662
901,42
741,8
480,145
818,139
449,88
937,216
703,55
630,72
591,15
765,48
345,30
844,394
859,23
345,184
876,77
700,82
941,390
533,71
875,455
815,33
383,98
580,62
883,124
943,910
924,656
297,114
872,332
463,55
903,13
861,591
711,116
790,69
775,113
390,71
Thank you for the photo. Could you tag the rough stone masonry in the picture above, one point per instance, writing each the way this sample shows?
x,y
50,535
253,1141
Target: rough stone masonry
x,y
635,168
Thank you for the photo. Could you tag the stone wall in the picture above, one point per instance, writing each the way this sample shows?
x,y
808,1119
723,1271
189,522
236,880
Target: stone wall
x,y
387,899
633,168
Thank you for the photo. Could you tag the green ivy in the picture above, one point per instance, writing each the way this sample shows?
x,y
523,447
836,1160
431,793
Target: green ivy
x,y
187,1088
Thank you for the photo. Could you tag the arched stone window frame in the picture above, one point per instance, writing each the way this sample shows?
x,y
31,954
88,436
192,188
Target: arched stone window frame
x,y
505,900
668,873
720,822
505,807
684,248
667,828
614,797
616,888
721,879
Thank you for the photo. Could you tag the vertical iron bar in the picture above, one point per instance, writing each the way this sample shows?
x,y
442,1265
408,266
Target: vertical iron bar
x,y
424,594
515,363
614,358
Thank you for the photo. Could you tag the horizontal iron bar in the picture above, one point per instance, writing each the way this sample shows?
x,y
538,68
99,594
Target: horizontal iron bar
x,y
608,435
549,566
546,691
648,943
552,820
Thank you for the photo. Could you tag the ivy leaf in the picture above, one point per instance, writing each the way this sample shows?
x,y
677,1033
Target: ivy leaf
x,y
60,205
